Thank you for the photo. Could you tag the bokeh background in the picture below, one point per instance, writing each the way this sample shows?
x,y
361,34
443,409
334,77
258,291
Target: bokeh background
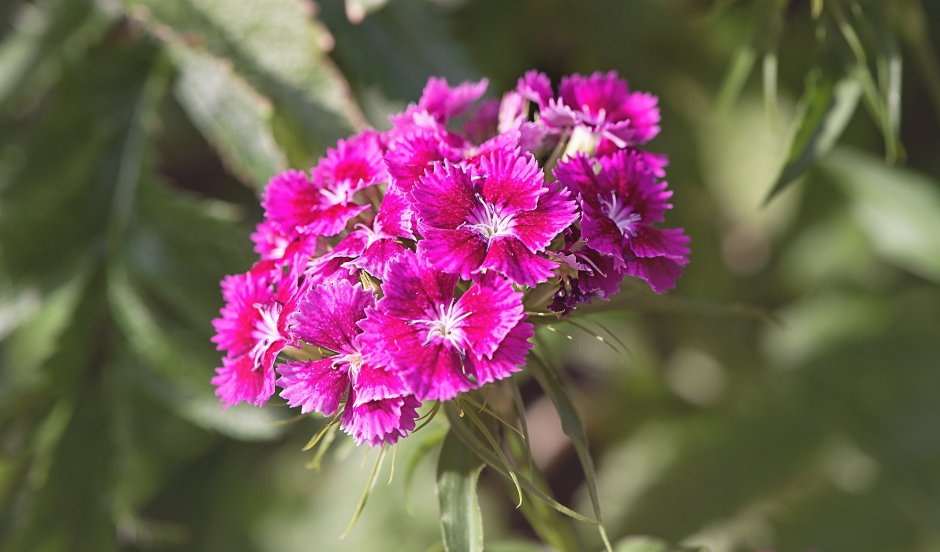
x,y
784,397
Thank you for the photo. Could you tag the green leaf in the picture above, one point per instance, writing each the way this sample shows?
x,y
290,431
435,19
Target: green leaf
x,y
233,117
896,208
573,427
647,544
828,107
458,471
277,47
471,439
44,35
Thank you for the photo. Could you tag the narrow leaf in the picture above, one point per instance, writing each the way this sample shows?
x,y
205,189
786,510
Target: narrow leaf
x,y
573,427
458,471
828,107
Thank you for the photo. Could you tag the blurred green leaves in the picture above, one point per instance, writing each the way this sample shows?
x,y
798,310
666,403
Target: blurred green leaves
x,y
127,126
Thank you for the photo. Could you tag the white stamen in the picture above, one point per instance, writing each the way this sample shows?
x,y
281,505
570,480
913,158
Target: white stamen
x,y
620,213
489,220
265,333
445,324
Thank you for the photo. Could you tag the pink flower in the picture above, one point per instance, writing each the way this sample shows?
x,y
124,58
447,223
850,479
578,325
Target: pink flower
x,y
620,203
603,103
442,345
323,203
585,275
372,248
251,332
497,216
445,102
377,407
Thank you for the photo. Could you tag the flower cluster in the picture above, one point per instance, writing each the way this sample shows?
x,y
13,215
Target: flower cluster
x,y
401,267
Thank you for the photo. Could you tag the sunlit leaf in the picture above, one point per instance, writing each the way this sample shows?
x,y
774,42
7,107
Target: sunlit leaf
x,y
277,47
896,208
233,116
458,471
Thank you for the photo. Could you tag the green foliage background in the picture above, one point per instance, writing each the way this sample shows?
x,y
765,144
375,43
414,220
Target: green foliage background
x,y
784,397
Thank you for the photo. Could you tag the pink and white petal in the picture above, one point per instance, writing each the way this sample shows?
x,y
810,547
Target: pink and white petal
x,y
671,243
459,251
327,315
395,214
289,199
380,422
511,179
510,257
237,380
443,197
373,382
413,287
494,307
330,220
599,232
314,386
659,272
537,228
508,358
433,371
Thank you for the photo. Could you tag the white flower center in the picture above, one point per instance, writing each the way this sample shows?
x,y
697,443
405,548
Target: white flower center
x,y
352,362
489,220
620,213
265,333
445,325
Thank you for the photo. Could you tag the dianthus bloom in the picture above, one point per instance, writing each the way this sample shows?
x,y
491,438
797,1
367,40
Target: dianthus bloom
x,y
401,267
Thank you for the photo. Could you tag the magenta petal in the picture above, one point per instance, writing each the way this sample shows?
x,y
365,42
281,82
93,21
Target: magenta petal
x,y
495,309
331,220
659,272
509,256
377,258
395,214
600,233
380,422
642,111
314,386
413,288
443,197
460,251
373,383
431,371
671,243
577,174
510,180
508,358
238,380
444,102
328,314
537,228
535,87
